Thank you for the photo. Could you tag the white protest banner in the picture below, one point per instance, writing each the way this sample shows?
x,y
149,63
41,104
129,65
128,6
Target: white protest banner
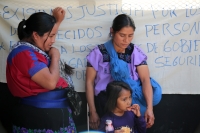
x,y
168,32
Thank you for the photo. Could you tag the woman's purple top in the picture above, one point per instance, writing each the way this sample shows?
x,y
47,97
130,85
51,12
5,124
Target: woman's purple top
x,y
99,60
128,120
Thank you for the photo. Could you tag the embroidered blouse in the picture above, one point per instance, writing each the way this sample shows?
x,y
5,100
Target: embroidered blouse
x,y
22,63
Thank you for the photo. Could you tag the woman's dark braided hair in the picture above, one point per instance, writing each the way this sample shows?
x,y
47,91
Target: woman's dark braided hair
x,y
68,69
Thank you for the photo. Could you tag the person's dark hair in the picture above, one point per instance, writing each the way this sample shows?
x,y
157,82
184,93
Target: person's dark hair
x,y
39,22
69,70
113,90
122,21
66,68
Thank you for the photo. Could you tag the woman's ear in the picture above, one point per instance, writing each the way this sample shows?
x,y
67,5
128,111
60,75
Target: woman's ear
x,y
35,36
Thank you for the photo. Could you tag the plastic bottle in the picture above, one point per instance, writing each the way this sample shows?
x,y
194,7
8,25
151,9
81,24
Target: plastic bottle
x,y
109,126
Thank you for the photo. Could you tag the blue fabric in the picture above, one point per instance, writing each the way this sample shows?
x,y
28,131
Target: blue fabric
x,y
15,52
120,72
52,99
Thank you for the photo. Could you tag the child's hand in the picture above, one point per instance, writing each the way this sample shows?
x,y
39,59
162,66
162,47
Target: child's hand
x,y
136,109
59,14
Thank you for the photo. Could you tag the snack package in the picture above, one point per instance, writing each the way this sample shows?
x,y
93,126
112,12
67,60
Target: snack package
x,y
126,129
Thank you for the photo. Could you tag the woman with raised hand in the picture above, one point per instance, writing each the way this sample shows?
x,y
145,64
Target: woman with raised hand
x,y
33,76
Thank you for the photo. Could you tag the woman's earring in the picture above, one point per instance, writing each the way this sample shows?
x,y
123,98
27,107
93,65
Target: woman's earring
x,y
110,34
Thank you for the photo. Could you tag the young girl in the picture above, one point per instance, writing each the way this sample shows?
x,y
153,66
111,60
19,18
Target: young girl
x,y
121,116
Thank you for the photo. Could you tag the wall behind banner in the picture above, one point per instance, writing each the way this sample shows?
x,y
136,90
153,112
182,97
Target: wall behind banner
x,y
167,34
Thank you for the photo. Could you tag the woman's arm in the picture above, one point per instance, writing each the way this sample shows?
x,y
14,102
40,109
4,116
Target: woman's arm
x,y
93,116
48,77
59,14
144,76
